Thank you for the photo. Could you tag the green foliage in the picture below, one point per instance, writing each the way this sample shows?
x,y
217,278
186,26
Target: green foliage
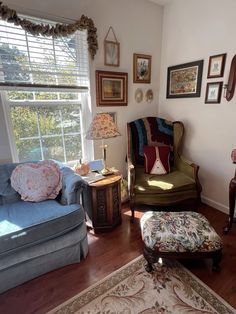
x,y
13,59
47,127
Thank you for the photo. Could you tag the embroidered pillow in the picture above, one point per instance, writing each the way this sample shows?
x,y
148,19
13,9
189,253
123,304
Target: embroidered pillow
x,y
157,159
36,182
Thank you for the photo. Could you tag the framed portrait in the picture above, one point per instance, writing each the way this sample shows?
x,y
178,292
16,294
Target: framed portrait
x,y
142,68
213,93
111,88
184,80
111,53
216,66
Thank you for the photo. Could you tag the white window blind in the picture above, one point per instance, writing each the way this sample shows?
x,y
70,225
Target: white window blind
x,y
42,62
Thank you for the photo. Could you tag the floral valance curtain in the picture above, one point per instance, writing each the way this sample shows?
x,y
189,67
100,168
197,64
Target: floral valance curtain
x,y
59,30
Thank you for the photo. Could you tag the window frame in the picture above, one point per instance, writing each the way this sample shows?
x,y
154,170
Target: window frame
x,y
53,103
85,109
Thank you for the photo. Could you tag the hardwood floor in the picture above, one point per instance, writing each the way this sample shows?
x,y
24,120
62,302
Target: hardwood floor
x,y
110,251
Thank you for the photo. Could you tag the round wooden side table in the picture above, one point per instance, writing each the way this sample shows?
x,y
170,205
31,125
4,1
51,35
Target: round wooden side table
x,y
102,203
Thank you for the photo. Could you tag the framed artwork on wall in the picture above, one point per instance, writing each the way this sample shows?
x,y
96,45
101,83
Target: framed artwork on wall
x,y
184,80
111,88
142,68
114,116
216,66
213,93
111,49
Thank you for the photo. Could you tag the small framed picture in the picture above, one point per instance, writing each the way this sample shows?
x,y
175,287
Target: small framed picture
x,y
111,53
213,93
111,88
142,68
114,116
216,66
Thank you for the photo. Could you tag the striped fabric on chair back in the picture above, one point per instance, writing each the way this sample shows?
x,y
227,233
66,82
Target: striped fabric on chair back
x,y
150,131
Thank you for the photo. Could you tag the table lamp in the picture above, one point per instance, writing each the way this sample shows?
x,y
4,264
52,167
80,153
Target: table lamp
x,y
102,127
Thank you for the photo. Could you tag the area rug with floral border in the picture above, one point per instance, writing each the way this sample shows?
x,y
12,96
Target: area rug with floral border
x,y
171,288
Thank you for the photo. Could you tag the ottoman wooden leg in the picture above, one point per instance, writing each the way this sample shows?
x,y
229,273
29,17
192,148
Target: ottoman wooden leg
x,y
149,267
150,257
216,261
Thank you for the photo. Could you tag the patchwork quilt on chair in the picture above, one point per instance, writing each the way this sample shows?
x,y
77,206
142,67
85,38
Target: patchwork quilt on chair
x,y
151,131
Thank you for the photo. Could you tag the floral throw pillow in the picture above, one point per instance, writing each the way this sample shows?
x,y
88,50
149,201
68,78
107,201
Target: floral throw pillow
x,y
157,159
36,182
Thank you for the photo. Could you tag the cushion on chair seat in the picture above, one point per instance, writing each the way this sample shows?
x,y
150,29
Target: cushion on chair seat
x,y
179,232
171,182
25,223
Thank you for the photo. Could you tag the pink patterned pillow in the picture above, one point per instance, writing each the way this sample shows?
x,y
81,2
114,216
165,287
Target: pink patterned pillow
x,y
36,182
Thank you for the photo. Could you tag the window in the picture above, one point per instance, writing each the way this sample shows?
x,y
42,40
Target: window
x,y
44,83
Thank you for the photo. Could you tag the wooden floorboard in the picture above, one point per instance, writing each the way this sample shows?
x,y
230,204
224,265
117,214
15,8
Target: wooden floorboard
x,y
108,252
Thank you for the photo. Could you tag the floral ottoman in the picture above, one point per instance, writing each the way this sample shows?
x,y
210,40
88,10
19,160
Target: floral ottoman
x,y
179,235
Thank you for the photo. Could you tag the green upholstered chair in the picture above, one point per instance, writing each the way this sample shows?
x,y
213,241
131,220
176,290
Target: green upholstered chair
x,y
180,185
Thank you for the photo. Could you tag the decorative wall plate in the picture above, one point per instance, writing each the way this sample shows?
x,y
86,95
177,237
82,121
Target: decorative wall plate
x,y
149,95
138,95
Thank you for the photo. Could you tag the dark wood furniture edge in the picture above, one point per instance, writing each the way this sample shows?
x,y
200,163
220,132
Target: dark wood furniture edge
x,y
232,196
152,256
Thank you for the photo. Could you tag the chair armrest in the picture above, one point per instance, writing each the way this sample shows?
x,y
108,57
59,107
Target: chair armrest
x,y
189,168
72,186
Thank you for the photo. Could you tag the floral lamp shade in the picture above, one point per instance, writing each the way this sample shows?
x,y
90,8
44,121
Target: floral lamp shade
x,y
102,127
233,156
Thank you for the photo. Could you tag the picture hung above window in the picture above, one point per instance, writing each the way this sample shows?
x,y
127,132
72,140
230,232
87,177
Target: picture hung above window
x,y
213,93
111,88
216,66
142,68
111,49
184,80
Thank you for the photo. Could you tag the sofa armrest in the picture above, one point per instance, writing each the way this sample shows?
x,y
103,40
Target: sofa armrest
x,y
72,186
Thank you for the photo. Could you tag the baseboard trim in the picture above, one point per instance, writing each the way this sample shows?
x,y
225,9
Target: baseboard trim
x,y
217,205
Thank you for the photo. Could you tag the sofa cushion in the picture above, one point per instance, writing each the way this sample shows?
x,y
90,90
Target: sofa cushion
x,y
24,224
36,182
170,182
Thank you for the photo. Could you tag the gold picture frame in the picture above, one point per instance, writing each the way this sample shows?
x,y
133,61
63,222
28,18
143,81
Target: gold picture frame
x,y
142,65
111,88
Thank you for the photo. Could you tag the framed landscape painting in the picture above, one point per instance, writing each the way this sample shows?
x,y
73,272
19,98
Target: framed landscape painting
x,y
111,88
184,80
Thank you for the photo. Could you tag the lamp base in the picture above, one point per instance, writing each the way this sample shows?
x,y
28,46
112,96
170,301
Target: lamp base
x,y
106,172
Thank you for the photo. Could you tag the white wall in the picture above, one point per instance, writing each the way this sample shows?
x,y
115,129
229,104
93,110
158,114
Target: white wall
x,y
194,30
138,27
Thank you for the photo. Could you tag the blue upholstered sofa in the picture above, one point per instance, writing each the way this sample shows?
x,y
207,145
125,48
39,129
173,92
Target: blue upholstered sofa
x,y
39,237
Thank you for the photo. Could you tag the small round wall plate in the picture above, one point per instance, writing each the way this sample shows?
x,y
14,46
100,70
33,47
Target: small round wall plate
x,y
138,95
149,95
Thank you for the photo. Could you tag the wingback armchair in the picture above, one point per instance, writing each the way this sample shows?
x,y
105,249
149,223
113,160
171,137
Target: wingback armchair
x,y
179,185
